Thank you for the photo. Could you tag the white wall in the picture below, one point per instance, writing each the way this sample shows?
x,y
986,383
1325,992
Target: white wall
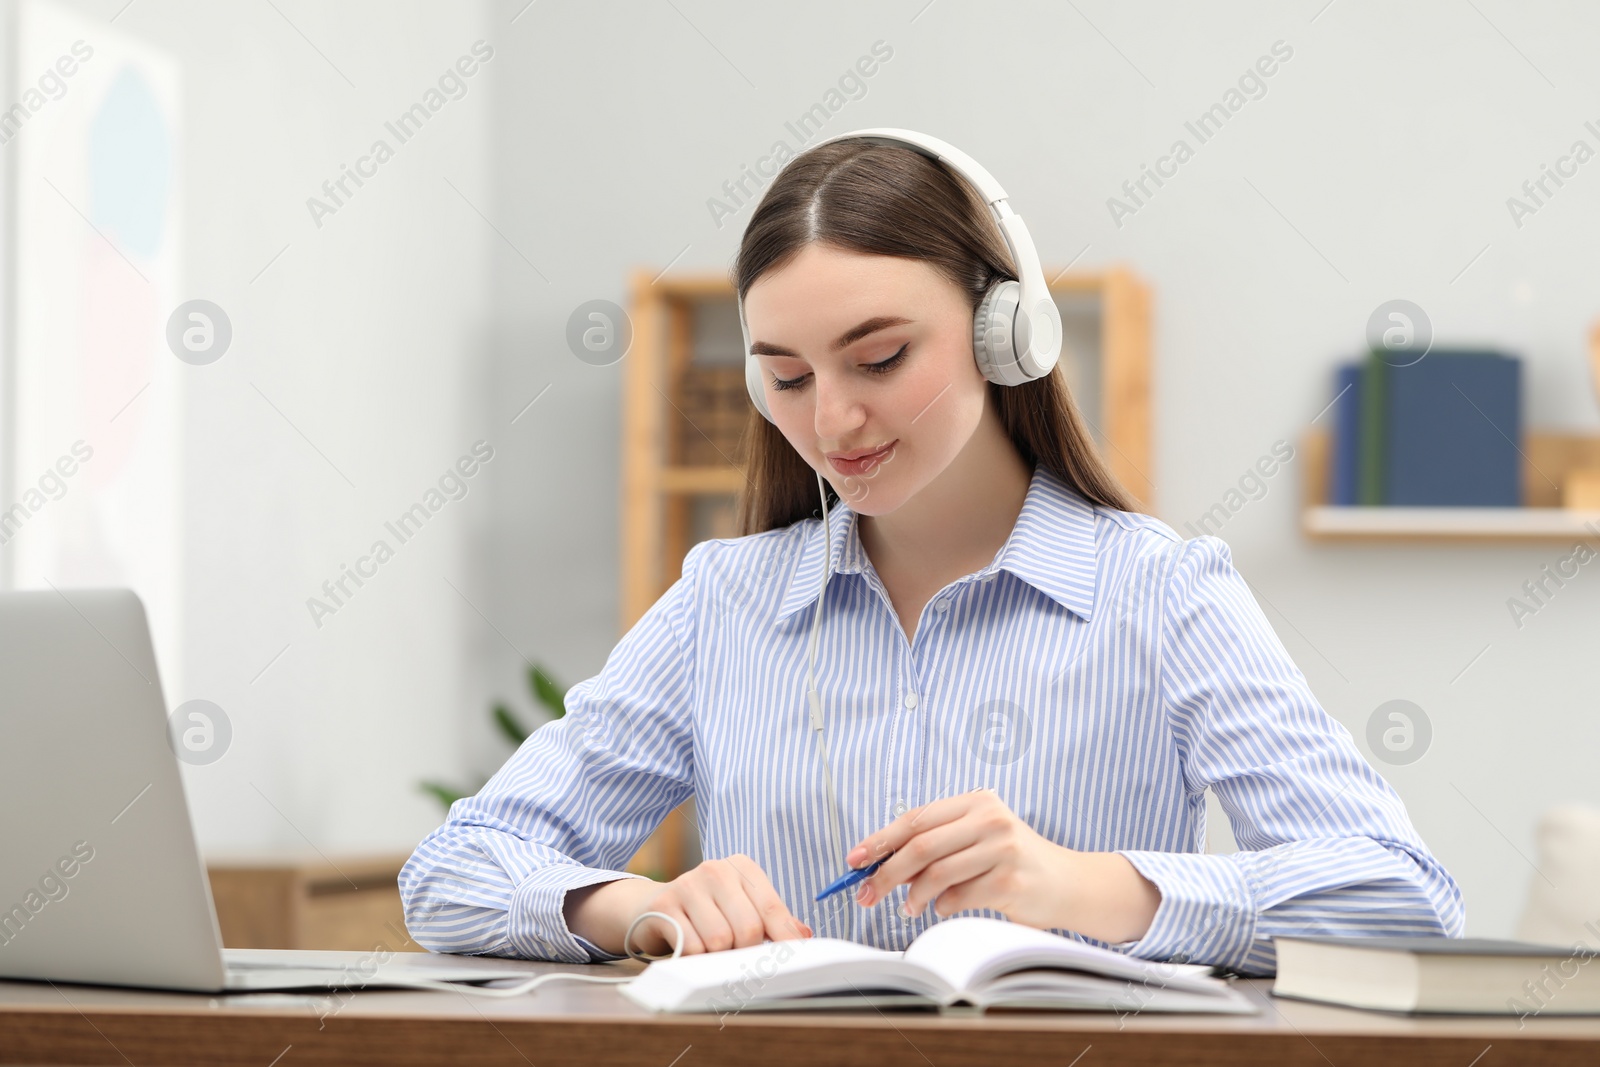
x,y
353,381
1376,166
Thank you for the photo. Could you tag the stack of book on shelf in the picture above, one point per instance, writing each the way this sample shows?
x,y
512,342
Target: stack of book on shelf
x,y
1442,431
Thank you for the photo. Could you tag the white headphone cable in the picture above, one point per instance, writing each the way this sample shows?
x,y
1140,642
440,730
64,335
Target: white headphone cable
x,y
530,984
813,698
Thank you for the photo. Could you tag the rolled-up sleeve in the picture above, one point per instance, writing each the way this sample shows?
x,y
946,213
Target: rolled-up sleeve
x,y
1325,844
571,805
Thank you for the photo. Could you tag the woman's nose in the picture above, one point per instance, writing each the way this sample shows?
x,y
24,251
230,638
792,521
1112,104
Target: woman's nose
x,y
838,409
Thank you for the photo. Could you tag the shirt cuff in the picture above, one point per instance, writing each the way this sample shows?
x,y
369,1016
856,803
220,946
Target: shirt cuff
x,y
1207,913
596,953
537,927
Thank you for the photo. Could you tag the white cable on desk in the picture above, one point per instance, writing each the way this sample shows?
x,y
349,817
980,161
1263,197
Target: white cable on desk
x,y
530,984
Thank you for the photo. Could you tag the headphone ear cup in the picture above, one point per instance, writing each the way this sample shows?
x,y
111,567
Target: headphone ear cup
x,y
752,383
752,367
993,334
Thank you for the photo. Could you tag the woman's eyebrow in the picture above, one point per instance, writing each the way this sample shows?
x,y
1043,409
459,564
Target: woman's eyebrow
x,y
844,340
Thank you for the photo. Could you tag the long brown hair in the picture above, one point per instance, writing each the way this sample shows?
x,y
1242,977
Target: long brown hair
x,y
890,200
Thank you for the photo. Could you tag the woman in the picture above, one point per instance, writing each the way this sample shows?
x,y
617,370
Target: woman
x,y
1024,687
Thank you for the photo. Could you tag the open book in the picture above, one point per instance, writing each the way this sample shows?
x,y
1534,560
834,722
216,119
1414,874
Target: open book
x,y
967,960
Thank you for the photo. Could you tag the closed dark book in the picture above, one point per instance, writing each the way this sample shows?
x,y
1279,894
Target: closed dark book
x,y
1463,975
1373,426
1344,483
1453,431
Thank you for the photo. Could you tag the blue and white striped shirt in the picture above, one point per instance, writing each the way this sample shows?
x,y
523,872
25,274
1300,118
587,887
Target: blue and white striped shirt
x,y
1101,673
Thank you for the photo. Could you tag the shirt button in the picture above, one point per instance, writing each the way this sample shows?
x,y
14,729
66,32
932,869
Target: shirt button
x,y
911,700
941,605
899,807
987,577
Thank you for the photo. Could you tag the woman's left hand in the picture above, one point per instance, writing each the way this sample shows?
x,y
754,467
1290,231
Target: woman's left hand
x,y
972,851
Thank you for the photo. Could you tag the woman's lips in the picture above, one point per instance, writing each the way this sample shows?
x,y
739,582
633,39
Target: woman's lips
x,y
862,464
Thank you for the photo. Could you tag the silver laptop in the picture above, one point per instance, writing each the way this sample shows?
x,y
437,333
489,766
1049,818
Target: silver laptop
x,y
100,877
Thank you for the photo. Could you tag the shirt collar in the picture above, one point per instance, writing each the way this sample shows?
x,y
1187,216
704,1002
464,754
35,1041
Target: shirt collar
x,y
1051,547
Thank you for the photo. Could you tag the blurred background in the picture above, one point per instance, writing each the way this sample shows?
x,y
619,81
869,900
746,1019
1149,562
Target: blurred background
x,y
259,341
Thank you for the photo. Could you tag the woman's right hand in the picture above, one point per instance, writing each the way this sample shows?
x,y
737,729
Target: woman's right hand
x,y
721,904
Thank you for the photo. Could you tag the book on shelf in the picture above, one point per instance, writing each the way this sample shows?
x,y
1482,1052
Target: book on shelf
x,y
971,961
1369,477
1344,484
1477,976
1455,431
1444,431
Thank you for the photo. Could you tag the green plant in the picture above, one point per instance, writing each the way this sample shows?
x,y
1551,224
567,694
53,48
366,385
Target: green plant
x,y
546,693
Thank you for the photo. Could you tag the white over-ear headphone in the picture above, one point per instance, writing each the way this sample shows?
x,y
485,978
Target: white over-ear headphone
x,y
1016,331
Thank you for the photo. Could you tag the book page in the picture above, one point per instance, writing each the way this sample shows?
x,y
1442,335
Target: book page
x,y
1059,990
969,950
736,978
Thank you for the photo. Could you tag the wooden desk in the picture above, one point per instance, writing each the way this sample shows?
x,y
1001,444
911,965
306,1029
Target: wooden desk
x,y
595,1025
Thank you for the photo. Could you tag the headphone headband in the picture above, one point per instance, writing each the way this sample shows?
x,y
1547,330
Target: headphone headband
x,y
1017,327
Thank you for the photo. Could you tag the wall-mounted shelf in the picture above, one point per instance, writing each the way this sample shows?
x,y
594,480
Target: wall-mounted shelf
x,y
1456,524
1548,458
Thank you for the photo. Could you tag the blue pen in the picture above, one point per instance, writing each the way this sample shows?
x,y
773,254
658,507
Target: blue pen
x,y
845,881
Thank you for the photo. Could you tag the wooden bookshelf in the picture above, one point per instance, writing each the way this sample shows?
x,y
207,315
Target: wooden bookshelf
x,y
656,483
680,480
